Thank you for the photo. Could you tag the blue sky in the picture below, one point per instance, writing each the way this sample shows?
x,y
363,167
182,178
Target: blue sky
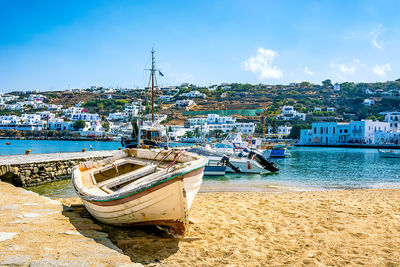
x,y
50,45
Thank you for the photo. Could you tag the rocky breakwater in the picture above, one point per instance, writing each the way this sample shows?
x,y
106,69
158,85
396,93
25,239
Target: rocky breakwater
x,y
36,169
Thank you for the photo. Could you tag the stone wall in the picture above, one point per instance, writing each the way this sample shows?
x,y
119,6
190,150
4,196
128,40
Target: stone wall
x,y
32,174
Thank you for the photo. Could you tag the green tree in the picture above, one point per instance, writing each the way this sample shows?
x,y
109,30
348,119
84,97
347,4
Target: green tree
x,y
106,126
79,125
327,83
305,84
197,132
295,131
189,134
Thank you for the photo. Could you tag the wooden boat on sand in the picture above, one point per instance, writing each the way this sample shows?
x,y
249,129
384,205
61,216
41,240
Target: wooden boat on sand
x,y
141,187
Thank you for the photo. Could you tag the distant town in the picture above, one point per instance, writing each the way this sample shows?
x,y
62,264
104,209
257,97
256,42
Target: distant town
x,y
346,113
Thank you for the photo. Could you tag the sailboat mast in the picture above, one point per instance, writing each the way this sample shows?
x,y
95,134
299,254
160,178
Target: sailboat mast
x,y
152,85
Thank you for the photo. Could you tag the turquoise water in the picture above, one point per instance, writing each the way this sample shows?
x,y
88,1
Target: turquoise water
x,y
51,146
309,168
318,168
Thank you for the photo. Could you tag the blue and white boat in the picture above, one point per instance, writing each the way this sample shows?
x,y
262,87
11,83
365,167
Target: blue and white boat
x,y
278,151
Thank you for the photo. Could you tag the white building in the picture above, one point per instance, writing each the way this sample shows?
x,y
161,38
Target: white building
x,y
369,102
186,103
54,107
175,132
158,118
223,123
166,98
281,130
60,125
34,97
333,133
117,116
317,109
336,87
85,117
17,106
289,113
193,94
331,109
46,115
288,110
393,118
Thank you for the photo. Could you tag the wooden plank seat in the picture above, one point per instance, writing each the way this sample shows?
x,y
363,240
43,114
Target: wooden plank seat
x,y
124,178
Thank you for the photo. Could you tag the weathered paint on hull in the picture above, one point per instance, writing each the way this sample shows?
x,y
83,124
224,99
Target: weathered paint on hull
x,y
165,204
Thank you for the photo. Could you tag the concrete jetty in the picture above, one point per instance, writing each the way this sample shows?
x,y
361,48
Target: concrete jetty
x,y
38,231
36,169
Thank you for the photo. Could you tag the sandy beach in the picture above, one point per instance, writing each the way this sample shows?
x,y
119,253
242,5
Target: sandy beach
x,y
320,228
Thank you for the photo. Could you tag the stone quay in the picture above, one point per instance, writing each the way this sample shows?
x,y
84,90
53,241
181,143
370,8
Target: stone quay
x,y
35,169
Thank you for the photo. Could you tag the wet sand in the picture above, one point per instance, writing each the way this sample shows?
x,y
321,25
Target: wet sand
x,y
319,228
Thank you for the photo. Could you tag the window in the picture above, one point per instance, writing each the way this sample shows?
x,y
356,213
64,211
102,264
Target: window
x,y
322,129
315,130
333,130
340,131
345,131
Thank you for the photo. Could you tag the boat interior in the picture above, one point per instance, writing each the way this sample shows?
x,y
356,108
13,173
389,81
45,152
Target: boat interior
x,y
111,176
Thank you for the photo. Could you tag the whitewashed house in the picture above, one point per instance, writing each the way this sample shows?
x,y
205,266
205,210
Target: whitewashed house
x,y
393,118
289,113
223,123
194,94
369,102
54,107
336,87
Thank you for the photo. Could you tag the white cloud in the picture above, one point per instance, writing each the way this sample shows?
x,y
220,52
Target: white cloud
x,y
347,69
374,35
261,64
381,70
308,71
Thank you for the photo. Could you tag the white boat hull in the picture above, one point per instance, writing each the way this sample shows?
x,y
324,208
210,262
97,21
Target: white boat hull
x,y
245,165
388,154
165,203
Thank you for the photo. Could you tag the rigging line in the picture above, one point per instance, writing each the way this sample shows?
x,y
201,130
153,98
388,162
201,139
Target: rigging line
x,y
144,72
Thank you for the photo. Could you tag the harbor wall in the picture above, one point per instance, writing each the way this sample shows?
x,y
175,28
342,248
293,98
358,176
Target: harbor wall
x,y
26,173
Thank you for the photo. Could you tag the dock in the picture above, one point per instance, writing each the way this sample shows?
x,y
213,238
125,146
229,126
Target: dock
x,y
36,169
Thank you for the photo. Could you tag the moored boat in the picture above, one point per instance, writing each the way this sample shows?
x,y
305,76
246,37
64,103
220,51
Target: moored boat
x,y
388,153
277,151
141,186
249,161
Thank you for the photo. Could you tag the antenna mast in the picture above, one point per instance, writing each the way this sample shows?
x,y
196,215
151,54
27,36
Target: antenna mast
x,y
152,84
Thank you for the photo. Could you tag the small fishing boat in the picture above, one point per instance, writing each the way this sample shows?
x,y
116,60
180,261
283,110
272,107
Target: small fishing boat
x,y
247,161
214,169
277,151
388,153
141,187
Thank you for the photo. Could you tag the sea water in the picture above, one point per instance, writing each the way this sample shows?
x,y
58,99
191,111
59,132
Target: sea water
x,y
309,168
